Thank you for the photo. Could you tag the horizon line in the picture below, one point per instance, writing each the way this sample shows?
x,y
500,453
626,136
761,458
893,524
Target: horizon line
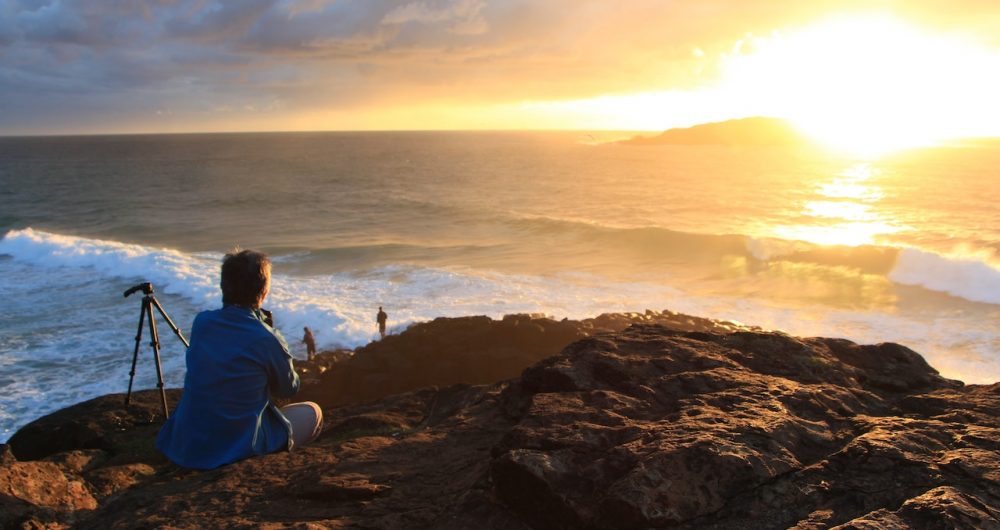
x,y
498,130
302,131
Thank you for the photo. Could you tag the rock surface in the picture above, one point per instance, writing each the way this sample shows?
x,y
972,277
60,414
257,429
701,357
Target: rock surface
x,y
56,470
650,426
472,350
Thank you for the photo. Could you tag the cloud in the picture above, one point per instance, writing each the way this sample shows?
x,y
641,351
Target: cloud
x,y
464,16
295,8
218,21
120,58
417,12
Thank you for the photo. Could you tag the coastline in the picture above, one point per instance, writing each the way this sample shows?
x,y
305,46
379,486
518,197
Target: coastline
x,y
769,428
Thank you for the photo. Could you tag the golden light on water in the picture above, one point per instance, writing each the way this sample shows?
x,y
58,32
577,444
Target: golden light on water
x,y
848,214
850,234
851,211
843,189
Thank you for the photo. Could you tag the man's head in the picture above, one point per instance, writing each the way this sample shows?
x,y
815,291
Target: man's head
x,y
246,278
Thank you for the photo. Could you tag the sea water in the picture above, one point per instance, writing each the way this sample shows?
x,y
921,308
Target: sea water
x,y
898,248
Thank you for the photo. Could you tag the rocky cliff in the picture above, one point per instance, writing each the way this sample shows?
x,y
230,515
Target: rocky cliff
x,y
690,425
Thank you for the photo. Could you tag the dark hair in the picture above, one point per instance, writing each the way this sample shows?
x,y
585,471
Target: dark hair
x,y
245,277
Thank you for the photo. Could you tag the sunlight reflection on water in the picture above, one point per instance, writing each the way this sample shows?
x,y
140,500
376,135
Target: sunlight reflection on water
x,y
847,214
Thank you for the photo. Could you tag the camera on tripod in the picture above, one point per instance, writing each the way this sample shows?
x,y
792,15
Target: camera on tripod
x,y
149,301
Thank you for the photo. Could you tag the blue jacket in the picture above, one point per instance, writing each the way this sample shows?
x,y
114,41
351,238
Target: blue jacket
x,y
235,364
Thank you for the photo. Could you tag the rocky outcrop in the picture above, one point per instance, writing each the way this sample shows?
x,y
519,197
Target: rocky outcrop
x,y
474,350
648,427
655,428
56,470
103,423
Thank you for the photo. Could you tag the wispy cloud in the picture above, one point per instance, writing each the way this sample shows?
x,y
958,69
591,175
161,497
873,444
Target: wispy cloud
x,y
460,16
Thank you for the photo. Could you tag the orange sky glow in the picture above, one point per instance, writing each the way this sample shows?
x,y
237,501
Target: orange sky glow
x,y
855,75
890,85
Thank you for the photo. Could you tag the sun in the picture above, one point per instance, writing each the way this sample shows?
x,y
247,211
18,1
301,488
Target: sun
x,y
869,83
859,83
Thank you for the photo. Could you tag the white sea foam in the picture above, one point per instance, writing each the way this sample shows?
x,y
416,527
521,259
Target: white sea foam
x,y
340,308
170,271
969,274
69,335
972,277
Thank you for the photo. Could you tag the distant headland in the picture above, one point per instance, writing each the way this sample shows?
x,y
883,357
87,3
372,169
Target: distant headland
x,y
745,131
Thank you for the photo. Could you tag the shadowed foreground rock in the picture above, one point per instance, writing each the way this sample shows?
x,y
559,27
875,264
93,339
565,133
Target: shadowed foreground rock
x,y
647,427
472,350
57,469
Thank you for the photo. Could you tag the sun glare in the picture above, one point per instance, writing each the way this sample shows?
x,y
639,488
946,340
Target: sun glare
x,y
861,84
870,84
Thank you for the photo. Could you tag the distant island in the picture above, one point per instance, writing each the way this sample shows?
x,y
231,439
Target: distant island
x,y
745,131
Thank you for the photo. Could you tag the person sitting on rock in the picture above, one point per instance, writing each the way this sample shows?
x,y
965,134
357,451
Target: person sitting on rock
x,y
237,365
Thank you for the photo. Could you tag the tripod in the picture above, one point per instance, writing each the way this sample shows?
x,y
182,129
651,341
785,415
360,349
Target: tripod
x,y
148,303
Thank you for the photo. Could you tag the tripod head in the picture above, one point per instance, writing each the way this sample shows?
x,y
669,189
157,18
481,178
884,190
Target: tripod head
x,y
145,287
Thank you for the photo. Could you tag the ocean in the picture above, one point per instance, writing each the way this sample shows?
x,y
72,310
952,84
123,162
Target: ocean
x,y
899,248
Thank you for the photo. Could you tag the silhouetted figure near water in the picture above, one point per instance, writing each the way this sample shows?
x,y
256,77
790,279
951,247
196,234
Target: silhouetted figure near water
x,y
310,342
237,365
381,319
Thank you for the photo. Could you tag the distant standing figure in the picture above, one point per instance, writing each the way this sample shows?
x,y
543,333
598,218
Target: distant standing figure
x,y
381,318
310,342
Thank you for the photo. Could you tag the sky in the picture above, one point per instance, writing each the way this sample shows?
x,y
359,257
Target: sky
x,y
132,66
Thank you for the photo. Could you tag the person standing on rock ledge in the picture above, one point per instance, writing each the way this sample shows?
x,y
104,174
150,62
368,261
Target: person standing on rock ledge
x,y
310,343
236,365
381,318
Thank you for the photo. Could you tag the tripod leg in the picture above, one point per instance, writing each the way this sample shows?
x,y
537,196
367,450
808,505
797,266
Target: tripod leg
x,y
156,355
135,354
169,322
